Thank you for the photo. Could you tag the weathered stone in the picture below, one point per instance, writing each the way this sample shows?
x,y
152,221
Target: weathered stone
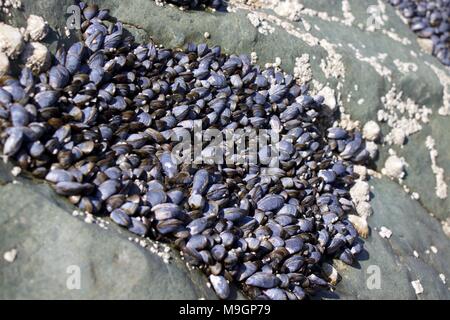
x,y
373,61
393,259
53,246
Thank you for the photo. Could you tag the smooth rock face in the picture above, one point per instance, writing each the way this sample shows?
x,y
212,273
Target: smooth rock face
x,y
41,248
51,245
413,229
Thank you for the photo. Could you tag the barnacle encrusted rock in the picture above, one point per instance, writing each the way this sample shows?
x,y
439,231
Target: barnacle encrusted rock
x,y
11,40
36,57
102,83
360,191
392,207
57,234
372,148
364,209
37,28
394,167
371,130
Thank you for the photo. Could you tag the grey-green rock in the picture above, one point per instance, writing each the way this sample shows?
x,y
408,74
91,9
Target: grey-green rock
x,y
393,259
372,62
54,248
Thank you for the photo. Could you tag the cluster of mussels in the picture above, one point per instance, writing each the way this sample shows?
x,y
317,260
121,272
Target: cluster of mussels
x,y
194,4
429,19
97,126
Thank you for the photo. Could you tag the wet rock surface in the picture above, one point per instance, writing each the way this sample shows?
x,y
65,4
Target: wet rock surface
x,y
412,226
130,179
53,247
428,19
49,240
413,232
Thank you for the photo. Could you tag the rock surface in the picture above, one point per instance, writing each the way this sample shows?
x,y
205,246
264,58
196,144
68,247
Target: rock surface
x,y
52,246
361,65
413,229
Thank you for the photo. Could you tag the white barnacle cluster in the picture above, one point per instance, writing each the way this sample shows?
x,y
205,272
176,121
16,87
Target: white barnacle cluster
x,y
360,191
346,121
371,130
15,43
4,64
160,249
302,69
442,277
260,23
36,57
37,28
257,18
441,185
294,10
7,5
394,36
11,41
405,67
377,17
332,66
404,117
394,166
360,194
333,100
276,64
91,219
372,133
349,18
289,9
425,44
15,171
346,12
329,97
306,25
